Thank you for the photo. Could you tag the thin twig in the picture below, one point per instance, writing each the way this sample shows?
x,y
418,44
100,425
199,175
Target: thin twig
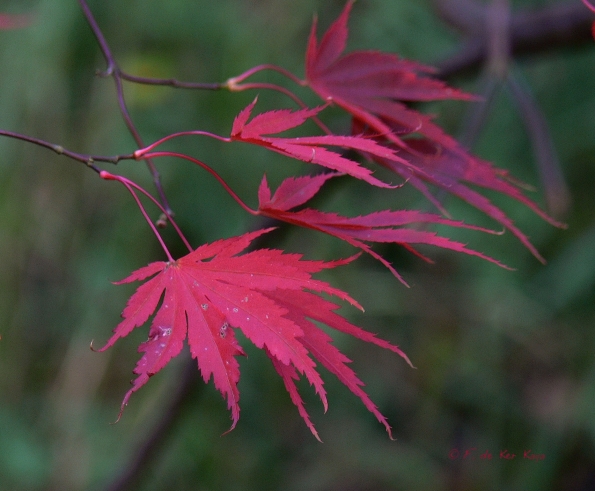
x,y
170,82
114,71
86,159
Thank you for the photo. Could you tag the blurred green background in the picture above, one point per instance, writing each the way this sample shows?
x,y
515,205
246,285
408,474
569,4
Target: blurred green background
x,y
505,360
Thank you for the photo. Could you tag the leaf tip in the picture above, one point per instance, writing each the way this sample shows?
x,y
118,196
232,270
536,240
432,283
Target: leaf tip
x,y
100,350
119,415
231,428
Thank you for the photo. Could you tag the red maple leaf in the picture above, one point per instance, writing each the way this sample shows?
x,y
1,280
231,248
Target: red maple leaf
x,y
309,149
264,293
383,226
370,84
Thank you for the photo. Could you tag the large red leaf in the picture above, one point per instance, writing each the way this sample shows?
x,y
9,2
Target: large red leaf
x,y
383,226
207,294
369,85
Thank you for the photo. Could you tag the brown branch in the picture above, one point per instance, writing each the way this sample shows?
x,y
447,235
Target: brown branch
x,y
148,451
531,31
495,36
113,70
170,82
88,160
556,191
497,20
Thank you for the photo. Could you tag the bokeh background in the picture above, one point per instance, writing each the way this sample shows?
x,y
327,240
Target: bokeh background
x,y
505,360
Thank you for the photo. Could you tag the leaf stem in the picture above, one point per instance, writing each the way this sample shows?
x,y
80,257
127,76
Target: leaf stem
x,y
231,82
139,154
210,171
160,206
131,186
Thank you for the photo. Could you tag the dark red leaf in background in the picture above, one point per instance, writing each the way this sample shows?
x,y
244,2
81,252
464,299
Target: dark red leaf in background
x,y
370,84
